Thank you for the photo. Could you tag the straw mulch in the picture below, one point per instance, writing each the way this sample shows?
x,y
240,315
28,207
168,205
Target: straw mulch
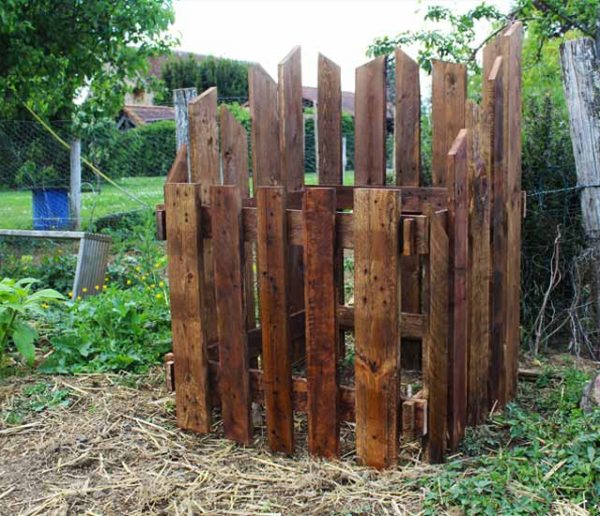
x,y
115,450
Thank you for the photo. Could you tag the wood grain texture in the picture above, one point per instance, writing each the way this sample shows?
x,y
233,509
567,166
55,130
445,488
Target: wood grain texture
x,y
204,141
228,262
377,324
407,137
178,171
273,285
291,120
266,155
329,120
512,42
437,338
370,123
448,100
458,214
186,287
321,322
479,266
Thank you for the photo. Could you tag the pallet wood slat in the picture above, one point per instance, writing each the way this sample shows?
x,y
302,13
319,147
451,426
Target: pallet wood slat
x,y
436,343
228,262
186,275
321,322
276,343
377,324
369,123
329,120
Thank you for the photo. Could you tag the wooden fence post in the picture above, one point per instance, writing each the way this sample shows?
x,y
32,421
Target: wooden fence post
x,y
377,324
181,99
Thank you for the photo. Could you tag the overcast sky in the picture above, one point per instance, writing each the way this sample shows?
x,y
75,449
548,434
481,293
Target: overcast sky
x,y
264,31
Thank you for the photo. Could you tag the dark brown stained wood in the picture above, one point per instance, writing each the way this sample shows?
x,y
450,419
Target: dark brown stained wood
x,y
266,155
228,254
204,141
273,284
409,237
186,287
234,156
377,324
234,152
407,140
458,212
369,123
204,167
436,340
494,106
447,114
407,136
329,120
479,268
512,41
178,171
413,325
291,120
321,321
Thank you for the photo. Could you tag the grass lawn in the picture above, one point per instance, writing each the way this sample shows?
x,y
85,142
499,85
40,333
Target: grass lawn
x,y
15,206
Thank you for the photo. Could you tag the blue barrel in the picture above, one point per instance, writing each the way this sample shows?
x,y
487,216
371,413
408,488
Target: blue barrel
x,y
50,208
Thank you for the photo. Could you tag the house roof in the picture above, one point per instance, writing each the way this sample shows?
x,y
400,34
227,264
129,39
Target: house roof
x,y
311,93
142,114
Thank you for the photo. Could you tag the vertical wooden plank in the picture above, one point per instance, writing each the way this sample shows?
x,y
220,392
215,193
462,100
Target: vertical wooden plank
x,y
276,345
512,41
493,99
321,321
458,211
329,121
407,137
448,99
370,123
186,287
479,267
234,156
266,155
377,324
204,168
291,121
407,140
228,262
436,339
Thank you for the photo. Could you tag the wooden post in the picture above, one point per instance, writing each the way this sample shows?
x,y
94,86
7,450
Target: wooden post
x,y
377,324
181,99
329,122
321,321
75,185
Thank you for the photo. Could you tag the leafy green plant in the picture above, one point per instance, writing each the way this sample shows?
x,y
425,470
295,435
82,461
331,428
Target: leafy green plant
x,y
34,399
17,304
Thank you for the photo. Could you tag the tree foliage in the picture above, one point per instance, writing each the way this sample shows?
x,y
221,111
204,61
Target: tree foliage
x,y
229,76
52,50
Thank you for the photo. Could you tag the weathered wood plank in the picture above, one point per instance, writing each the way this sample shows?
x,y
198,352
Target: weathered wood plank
x,y
329,120
407,136
370,123
186,287
273,286
413,325
291,121
479,267
447,114
321,321
436,340
377,324
179,169
228,262
458,213
266,155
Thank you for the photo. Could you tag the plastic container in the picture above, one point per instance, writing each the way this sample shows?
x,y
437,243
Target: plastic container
x,y
50,208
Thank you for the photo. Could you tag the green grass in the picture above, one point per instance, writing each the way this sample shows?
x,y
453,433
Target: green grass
x,y
15,206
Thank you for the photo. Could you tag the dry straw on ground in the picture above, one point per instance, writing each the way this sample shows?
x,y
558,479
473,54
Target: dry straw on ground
x,y
115,450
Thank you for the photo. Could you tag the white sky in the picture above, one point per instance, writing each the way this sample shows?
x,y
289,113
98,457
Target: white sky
x,y
264,31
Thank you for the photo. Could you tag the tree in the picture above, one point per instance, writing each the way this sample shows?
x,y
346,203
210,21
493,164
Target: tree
x,y
53,50
229,76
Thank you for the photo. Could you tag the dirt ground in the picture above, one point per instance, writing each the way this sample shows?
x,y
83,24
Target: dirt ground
x,y
114,450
